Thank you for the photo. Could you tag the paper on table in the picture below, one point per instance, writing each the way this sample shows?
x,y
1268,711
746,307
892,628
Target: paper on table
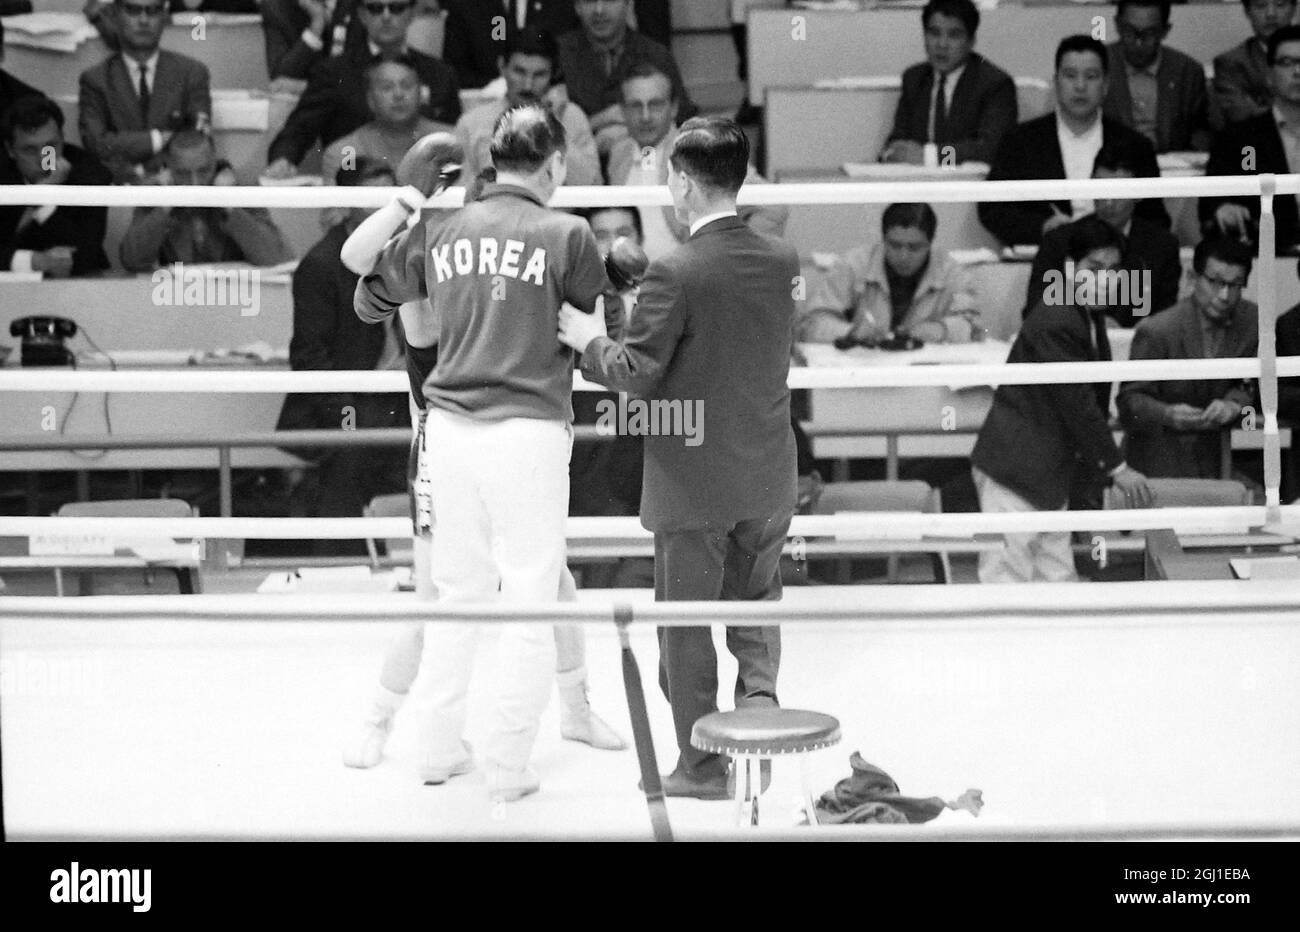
x,y
903,171
297,181
1265,567
973,256
869,82
358,579
55,32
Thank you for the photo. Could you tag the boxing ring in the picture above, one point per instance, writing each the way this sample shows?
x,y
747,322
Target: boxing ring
x,y
1119,710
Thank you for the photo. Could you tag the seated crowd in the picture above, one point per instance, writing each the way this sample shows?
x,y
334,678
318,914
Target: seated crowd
x,y
369,86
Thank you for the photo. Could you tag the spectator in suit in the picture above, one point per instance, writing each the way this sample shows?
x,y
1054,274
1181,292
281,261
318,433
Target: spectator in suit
x,y
650,112
898,286
1155,89
1266,143
163,235
58,241
478,30
1177,429
327,334
1288,344
1147,247
955,97
1064,144
133,101
299,33
1241,83
11,89
597,57
1036,438
393,96
529,68
334,103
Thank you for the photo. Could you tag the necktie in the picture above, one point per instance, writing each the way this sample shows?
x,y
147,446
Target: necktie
x,y
1103,353
144,93
939,112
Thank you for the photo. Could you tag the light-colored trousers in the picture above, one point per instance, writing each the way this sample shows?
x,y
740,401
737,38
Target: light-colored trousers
x,y
1023,557
501,496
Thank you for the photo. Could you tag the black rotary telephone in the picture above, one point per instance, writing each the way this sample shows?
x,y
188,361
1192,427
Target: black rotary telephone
x,y
43,340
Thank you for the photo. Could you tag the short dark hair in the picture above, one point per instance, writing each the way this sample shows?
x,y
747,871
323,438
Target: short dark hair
x,y
1117,155
647,69
1090,233
963,10
525,137
1082,43
534,42
378,63
363,169
588,212
1163,5
1285,34
714,151
918,216
1246,3
189,139
1225,249
28,113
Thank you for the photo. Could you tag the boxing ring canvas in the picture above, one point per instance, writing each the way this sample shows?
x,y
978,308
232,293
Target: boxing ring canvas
x,y
1101,711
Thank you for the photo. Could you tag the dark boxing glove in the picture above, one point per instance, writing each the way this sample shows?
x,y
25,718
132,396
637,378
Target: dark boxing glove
x,y
431,164
626,264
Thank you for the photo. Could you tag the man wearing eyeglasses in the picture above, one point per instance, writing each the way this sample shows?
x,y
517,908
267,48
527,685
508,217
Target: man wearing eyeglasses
x,y
1176,429
1156,90
132,102
1241,74
334,103
1267,143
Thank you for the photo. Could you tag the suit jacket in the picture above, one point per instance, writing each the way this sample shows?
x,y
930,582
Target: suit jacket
x,y
1227,156
334,102
1288,344
283,21
713,327
983,109
1240,81
1148,247
1150,445
1036,437
112,127
593,90
11,89
327,334
1182,102
1031,150
79,227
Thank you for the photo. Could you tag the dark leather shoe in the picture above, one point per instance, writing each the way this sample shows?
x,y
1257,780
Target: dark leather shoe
x,y
682,784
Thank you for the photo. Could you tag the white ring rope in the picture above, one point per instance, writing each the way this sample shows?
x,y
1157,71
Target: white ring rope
x,y
859,192
957,375
882,526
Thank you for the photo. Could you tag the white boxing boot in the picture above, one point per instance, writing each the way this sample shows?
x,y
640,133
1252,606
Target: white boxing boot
x,y
366,746
577,721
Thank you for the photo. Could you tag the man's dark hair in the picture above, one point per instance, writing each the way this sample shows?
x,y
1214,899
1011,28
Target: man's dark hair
x,y
524,138
1246,3
1090,233
1163,5
534,42
714,151
1285,34
916,216
378,63
1227,250
645,69
365,168
1082,43
28,113
189,139
587,213
963,10
1116,155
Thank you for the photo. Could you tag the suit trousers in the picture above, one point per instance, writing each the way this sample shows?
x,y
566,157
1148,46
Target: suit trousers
x,y
736,562
500,494
1025,557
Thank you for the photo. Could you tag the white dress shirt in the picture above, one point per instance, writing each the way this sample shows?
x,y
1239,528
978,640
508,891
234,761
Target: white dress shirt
x,y
1078,152
709,218
150,79
950,83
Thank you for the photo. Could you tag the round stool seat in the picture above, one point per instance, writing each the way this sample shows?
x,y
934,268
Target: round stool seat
x,y
765,732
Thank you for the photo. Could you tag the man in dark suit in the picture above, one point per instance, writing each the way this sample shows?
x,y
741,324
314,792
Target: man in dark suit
x,y
58,241
955,98
1149,250
133,101
1157,90
1177,429
299,33
10,87
478,30
1241,87
334,103
1063,145
712,332
1037,439
327,334
595,60
1288,394
1267,143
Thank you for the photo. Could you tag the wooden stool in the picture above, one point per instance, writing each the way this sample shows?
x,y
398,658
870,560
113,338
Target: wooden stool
x,y
754,736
